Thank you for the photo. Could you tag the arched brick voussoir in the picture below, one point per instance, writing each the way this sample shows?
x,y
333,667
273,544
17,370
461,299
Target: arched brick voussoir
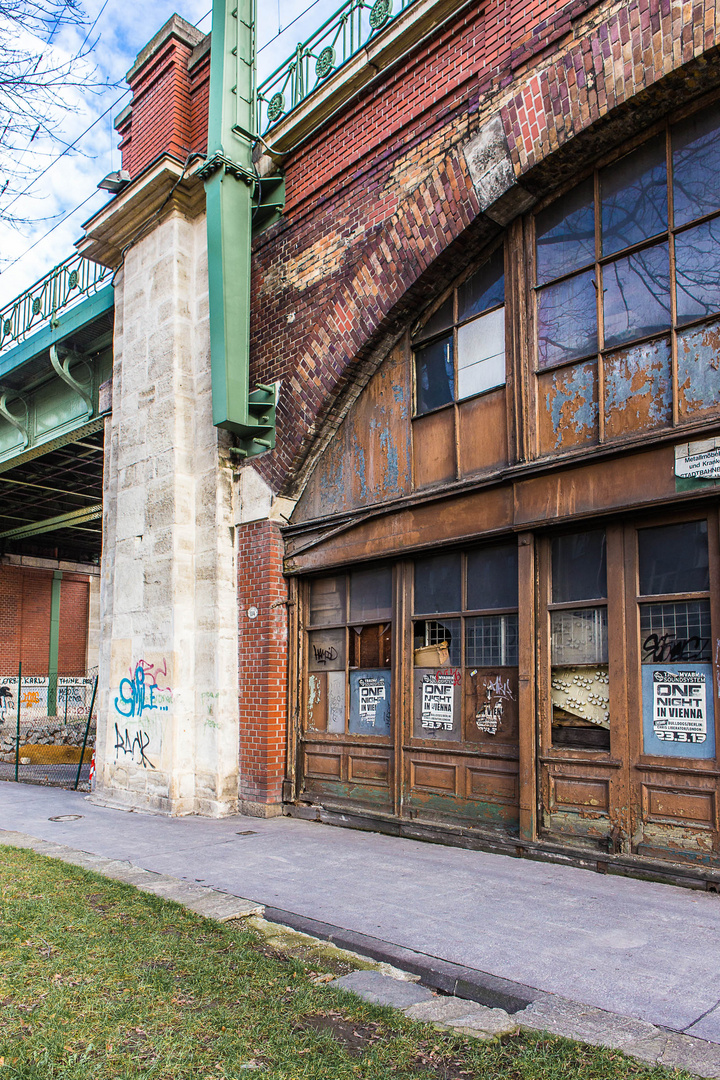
x,y
641,59
358,325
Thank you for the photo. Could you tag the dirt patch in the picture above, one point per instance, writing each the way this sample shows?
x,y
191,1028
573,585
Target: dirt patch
x,y
354,1037
431,1062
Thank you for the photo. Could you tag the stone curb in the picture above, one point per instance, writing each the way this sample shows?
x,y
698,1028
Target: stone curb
x,y
461,1011
211,903
557,1016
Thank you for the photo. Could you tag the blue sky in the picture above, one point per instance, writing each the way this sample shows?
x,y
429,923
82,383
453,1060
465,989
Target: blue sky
x,y
121,31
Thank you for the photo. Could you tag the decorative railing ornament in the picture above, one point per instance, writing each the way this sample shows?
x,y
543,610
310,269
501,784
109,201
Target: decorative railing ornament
x,y
338,39
64,286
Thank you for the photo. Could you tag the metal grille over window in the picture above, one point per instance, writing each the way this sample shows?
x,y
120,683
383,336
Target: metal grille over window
x,y
627,277
466,646
579,683
460,349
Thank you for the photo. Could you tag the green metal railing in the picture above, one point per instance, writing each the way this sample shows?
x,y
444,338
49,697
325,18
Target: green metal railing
x,y
340,37
64,286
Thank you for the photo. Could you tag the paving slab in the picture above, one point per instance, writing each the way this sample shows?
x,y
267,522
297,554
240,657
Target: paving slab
x,y
382,989
635,948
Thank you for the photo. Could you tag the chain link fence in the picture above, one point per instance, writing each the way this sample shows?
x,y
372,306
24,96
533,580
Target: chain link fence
x,y
47,727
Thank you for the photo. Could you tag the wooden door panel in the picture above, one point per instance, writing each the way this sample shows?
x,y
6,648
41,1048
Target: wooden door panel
x,y
578,800
462,788
344,773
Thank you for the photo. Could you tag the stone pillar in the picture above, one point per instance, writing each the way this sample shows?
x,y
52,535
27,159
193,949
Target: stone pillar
x,y
168,711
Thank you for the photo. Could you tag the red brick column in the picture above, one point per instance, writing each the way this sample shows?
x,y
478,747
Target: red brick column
x,y
263,667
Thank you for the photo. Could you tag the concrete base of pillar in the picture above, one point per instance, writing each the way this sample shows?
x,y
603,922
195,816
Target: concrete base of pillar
x,y
258,809
136,802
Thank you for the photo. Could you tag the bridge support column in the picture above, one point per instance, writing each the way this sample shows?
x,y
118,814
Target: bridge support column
x,y
168,719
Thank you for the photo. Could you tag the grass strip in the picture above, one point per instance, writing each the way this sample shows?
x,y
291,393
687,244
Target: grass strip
x,y
100,980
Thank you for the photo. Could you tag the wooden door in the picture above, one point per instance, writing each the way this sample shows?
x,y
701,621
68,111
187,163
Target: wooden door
x,y
460,724
582,701
672,602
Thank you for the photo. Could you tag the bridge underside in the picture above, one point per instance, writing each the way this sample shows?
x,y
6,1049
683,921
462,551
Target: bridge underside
x,y
51,438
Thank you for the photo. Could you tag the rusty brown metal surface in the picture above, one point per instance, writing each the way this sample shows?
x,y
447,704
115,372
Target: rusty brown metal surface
x,y
434,447
482,433
369,459
698,364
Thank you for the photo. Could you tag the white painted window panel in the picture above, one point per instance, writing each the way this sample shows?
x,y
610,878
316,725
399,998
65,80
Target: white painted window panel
x,y
481,354
483,376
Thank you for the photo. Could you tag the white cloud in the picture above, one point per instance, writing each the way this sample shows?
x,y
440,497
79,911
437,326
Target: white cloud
x,y
122,30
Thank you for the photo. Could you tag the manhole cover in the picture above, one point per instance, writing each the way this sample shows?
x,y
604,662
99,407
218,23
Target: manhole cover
x,y
66,817
248,832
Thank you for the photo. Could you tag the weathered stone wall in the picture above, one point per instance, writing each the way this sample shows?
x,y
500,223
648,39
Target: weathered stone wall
x,y
168,727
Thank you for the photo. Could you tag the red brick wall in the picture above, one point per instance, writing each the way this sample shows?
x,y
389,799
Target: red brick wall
x,y
169,108
25,597
263,662
74,603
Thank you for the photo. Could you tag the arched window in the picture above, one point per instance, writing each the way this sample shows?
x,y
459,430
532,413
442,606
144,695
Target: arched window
x,y
627,273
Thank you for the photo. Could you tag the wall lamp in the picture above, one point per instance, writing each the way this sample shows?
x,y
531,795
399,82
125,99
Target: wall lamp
x,y
115,181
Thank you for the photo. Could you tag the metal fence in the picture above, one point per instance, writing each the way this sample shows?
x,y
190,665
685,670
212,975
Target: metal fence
x,y
351,27
47,727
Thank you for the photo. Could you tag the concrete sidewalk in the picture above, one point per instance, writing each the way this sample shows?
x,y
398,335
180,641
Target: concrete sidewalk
x,y
640,949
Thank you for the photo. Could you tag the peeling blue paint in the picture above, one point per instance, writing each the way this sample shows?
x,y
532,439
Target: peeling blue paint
x,y
699,368
643,371
570,400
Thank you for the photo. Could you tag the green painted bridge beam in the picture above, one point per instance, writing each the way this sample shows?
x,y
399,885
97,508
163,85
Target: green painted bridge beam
x,y
233,196
61,521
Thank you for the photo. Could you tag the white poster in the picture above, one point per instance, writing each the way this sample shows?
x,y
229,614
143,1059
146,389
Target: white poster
x,y
371,692
437,701
679,706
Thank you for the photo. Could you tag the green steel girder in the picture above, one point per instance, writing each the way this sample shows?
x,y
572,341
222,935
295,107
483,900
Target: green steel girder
x,y
61,521
236,201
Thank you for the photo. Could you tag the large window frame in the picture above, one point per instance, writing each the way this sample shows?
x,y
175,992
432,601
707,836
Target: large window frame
x,y
589,370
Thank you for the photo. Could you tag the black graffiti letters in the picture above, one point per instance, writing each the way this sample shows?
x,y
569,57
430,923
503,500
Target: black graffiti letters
x,y
135,746
668,649
324,656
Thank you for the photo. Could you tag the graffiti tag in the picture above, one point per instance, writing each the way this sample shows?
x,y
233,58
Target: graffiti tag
x,y
135,745
667,649
501,688
324,656
141,693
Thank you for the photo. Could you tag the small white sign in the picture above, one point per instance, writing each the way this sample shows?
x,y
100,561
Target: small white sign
x,y
698,460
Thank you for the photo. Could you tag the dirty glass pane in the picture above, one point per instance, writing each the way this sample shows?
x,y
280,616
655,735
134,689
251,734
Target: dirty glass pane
x,y
675,633
326,701
371,594
492,578
565,234
437,583
481,354
567,320
674,559
579,636
441,320
633,197
326,650
434,375
370,646
491,640
485,289
579,567
697,268
696,165
637,295
327,601
437,643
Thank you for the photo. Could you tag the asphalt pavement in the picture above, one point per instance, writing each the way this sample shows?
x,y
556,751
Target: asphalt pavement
x,y
640,949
